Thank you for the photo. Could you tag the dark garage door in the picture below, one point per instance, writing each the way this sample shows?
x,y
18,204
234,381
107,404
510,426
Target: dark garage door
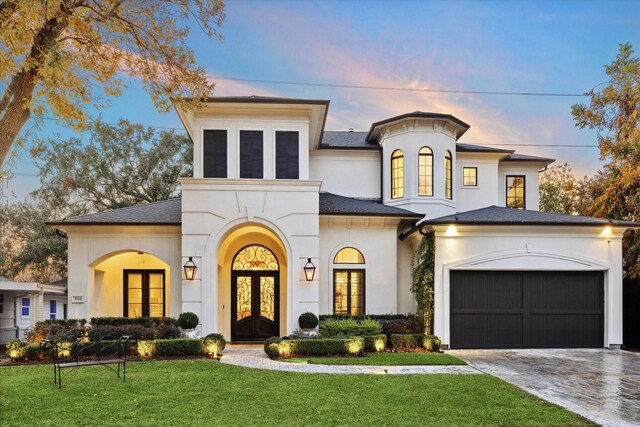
x,y
527,309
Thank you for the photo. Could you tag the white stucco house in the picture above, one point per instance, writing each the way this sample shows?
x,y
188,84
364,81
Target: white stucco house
x,y
273,191
22,304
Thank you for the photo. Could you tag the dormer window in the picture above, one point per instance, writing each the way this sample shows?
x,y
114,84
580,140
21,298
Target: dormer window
x,y
397,174
448,186
425,172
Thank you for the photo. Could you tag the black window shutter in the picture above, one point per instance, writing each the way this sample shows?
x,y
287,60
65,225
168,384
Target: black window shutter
x,y
215,154
251,154
287,155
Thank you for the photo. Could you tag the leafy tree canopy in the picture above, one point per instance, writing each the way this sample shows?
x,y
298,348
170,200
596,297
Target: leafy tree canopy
x,y
60,56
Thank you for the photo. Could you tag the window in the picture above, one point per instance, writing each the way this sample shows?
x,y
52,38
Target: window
x,y
448,187
470,177
251,154
425,172
144,293
348,283
26,306
1,303
287,157
397,174
214,149
516,191
53,309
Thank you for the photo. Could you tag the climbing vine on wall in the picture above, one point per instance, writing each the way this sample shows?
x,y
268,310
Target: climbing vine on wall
x,y
422,267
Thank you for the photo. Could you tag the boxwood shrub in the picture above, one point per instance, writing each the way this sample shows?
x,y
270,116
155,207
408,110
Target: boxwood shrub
x,y
308,320
349,327
188,320
414,342
213,344
375,343
147,322
175,347
278,348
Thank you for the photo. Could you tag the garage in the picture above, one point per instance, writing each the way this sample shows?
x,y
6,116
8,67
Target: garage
x,y
527,309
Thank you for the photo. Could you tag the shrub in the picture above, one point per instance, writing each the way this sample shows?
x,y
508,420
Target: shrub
x,y
188,320
135,331
406,342
14,349
380,317
431,343
213,344
375,343
308,320
349,327
56,329
147,322
18,350
175,347
278,348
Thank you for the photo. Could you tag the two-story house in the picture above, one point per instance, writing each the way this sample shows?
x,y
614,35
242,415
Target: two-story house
x,y
283,217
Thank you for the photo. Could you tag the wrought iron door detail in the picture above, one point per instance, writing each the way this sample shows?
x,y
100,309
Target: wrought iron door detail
x,y
255,257
243,295
267,297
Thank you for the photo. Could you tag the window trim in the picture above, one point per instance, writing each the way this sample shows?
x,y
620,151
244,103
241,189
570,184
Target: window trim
x,y
524,191
430,154
475,176
448,176
364,260
364,288
145,289
395,156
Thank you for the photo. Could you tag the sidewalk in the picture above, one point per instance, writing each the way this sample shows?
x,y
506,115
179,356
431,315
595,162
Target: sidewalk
x,y
253,356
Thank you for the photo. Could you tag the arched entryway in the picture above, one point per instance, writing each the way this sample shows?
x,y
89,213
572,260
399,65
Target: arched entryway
x,y
255,291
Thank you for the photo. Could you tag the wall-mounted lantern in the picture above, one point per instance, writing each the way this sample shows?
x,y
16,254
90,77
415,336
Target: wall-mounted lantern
x,y
309,270
190,269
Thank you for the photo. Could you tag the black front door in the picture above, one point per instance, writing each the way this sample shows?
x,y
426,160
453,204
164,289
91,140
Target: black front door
x,y
254,305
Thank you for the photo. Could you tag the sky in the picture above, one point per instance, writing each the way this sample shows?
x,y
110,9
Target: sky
x,y
542,47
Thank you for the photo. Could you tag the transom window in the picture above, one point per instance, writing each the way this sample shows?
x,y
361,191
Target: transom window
x,y
255,257
448,186
349,283
516,191
425,172
397,174
470,176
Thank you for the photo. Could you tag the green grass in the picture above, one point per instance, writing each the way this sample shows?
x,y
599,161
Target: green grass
x,y
384,359
205,393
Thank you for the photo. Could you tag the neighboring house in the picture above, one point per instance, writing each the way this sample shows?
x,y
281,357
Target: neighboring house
x,y
273,192
22,304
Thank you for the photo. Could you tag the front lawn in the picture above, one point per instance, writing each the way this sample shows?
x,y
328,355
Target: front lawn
x,y
205,392
384,359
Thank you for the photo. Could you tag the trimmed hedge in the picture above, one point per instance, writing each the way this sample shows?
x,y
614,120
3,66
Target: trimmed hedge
x,y
135,331
213,344
414,342
324,317
175,347
375,343
349,327
18,350
56,329
278,348
147,322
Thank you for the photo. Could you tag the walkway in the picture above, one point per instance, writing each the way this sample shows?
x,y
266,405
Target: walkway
x,y
253,356
602,385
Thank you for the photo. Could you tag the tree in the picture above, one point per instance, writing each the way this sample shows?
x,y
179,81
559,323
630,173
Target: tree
x,y
122,165
422,266
558,190
614,112
58,56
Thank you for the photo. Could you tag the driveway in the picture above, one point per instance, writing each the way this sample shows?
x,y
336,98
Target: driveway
x,y
602,385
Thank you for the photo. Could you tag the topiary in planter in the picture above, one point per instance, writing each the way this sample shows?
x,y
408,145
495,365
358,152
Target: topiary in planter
x,y
213,345
308,320
188,320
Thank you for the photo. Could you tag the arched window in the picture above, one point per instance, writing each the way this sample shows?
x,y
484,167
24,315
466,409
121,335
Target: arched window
x,y
348,282
425,172
448,185
397,174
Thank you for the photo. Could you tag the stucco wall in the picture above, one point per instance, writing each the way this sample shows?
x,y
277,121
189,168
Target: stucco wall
x,y
486,193
530,248
350,173
530,171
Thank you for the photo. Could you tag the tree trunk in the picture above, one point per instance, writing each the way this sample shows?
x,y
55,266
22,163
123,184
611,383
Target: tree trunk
x,y
16,100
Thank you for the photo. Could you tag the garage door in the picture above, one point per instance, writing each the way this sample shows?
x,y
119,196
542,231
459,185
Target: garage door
x,y
531,309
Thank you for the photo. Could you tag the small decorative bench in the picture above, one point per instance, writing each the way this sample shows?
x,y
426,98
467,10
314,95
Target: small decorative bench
x,y
77,354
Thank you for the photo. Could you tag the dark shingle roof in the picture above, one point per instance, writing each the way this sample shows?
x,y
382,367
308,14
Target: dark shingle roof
x,y
498,215
166,212
169,212
420,115
526,158
346,140
473,148
332,204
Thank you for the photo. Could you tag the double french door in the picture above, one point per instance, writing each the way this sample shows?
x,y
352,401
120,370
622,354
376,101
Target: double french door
x,y
254,305
144,293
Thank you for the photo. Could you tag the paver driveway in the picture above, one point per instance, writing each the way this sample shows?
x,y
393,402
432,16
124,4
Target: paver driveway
x,y
602,385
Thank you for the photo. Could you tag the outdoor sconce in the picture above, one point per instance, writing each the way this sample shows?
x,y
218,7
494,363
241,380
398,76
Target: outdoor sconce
x,y
309,270
190,269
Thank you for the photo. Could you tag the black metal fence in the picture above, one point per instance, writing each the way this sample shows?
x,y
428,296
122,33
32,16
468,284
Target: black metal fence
x,y
631,313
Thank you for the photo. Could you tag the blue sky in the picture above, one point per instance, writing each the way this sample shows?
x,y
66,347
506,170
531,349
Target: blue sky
x,y
483,46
